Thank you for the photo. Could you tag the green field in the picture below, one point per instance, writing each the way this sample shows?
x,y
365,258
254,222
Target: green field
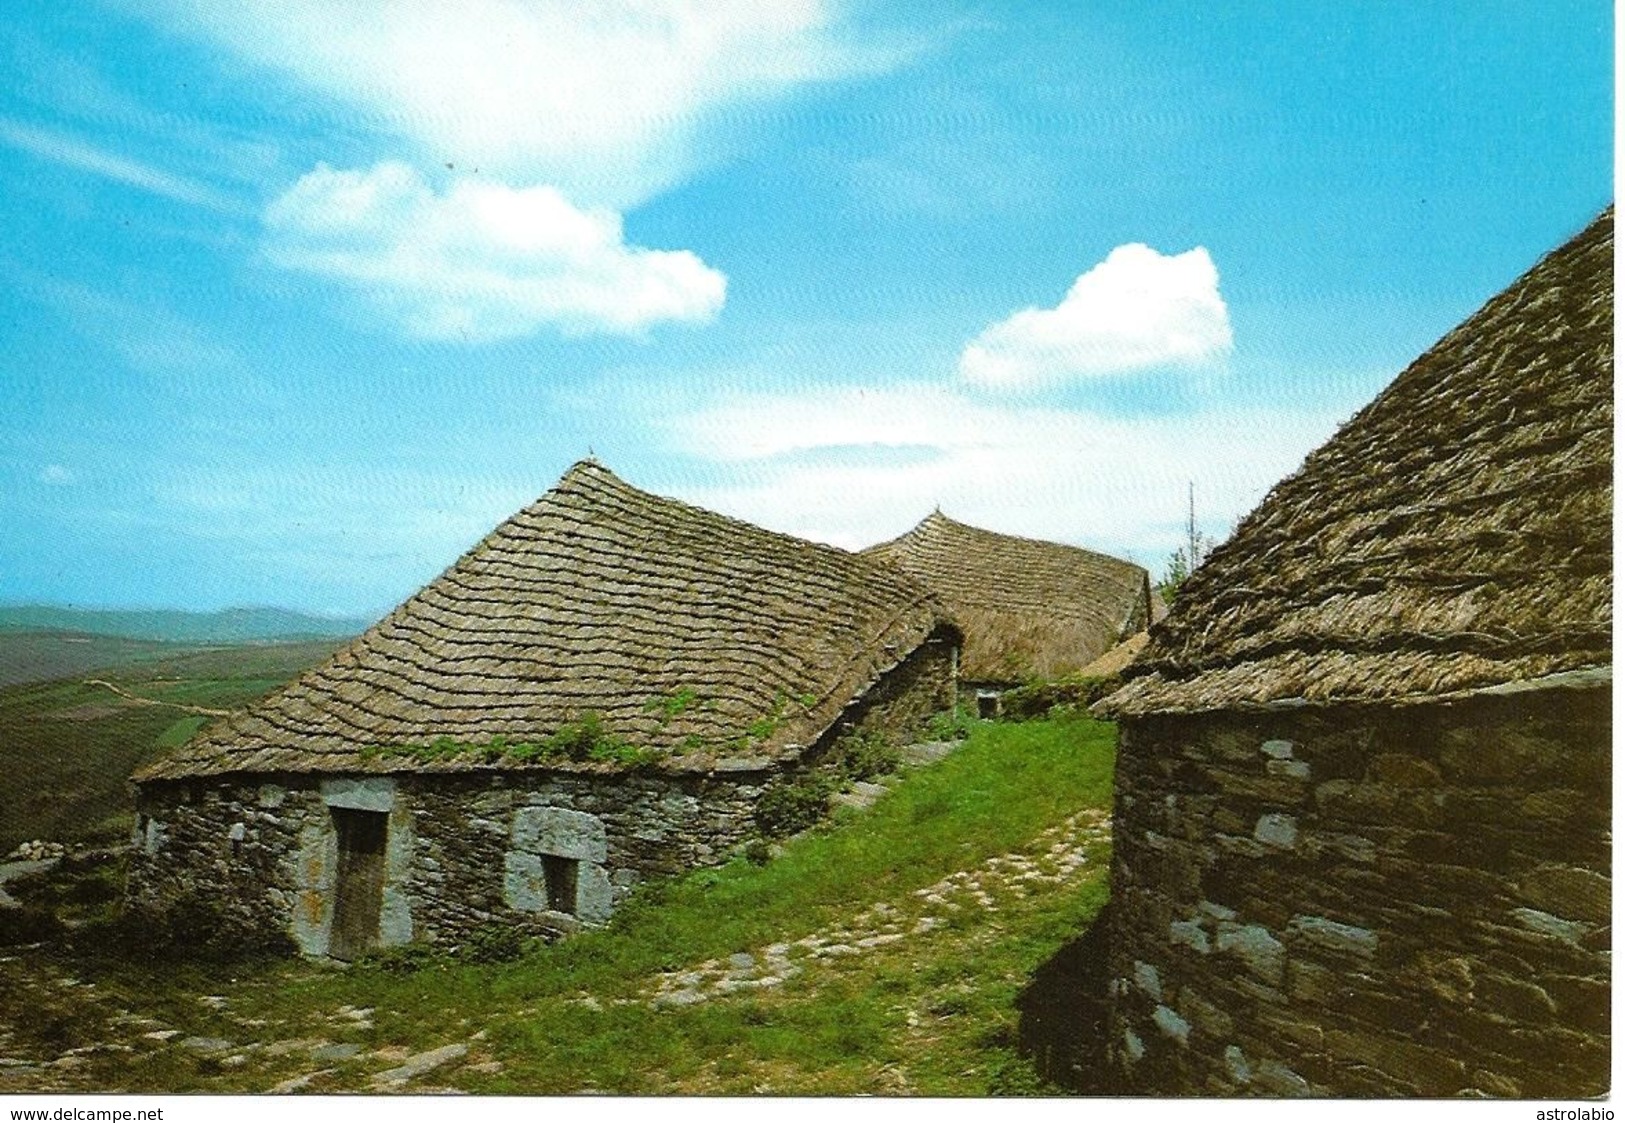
x,y
68,746
898,945
40,656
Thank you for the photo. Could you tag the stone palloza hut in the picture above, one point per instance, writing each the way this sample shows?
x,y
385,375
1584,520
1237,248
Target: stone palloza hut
x,y
598,692
1363,790
1029,609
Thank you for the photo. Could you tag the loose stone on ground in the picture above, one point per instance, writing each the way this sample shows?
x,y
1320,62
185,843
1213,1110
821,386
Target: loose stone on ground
x,y
417,1066
1054,858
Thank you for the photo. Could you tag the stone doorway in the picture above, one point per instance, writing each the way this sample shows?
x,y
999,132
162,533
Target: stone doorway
x,y
358,892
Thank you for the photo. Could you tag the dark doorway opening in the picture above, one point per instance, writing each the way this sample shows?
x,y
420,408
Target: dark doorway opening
x,y
359,887
560,874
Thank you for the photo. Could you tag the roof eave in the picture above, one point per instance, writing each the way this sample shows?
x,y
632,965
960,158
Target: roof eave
x,y
1584,678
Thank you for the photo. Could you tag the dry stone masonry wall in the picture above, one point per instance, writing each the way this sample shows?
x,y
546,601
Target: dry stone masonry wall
x,y
232,849
1365,901
908,696
461,851
490,851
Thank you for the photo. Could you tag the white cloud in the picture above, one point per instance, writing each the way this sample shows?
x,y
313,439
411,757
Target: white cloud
x,y
1110,483
610,102
56,474
550,118
1136,310
74,153
482,261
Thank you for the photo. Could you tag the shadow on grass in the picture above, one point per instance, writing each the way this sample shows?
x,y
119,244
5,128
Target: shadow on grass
x,y
1062,1024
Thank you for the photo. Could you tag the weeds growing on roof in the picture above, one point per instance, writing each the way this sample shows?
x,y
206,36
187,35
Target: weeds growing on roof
x,y
583,740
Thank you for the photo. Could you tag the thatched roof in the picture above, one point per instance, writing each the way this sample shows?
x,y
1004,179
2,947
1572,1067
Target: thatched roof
x,y
1455,536
694,635
1029,609
1119,657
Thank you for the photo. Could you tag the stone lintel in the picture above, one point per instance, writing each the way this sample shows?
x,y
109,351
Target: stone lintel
x,y
561,832
360,793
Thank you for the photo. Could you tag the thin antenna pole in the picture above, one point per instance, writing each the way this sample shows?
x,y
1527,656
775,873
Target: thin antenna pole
x,y
1190,529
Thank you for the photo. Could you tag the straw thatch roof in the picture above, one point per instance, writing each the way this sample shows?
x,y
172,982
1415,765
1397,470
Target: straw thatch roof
x,y
1119,657
1029,609
1455,536
689,633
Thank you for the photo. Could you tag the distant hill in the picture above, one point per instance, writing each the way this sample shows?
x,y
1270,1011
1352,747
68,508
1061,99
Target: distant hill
x,y
228,626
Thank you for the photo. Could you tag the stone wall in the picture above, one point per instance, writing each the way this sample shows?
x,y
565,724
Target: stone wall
x,y
1361,901
464,850
905,698
480,845
233,849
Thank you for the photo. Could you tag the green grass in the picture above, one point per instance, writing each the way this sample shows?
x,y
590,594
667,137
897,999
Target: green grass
x,y
39,656
1008,783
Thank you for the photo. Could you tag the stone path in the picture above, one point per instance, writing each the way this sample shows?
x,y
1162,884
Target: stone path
x,y
1055,858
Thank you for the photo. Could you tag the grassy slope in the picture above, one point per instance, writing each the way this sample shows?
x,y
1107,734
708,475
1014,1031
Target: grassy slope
x,y
42,656
932,1014
848,1032
67,748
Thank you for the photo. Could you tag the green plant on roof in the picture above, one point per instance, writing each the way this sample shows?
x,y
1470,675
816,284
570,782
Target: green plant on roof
x,y
583,740
674,704
764,727
587,739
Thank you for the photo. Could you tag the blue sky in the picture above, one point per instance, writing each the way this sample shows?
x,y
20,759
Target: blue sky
x,y
301,299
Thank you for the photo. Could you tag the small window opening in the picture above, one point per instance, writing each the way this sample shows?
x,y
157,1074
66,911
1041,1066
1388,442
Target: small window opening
x,y
561,876
987,703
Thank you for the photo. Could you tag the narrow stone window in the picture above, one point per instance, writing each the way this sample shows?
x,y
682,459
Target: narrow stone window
x,y
561,875
987,703
556,864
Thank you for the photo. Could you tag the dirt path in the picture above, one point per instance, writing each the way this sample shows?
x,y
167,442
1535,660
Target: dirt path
x,y
140,701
